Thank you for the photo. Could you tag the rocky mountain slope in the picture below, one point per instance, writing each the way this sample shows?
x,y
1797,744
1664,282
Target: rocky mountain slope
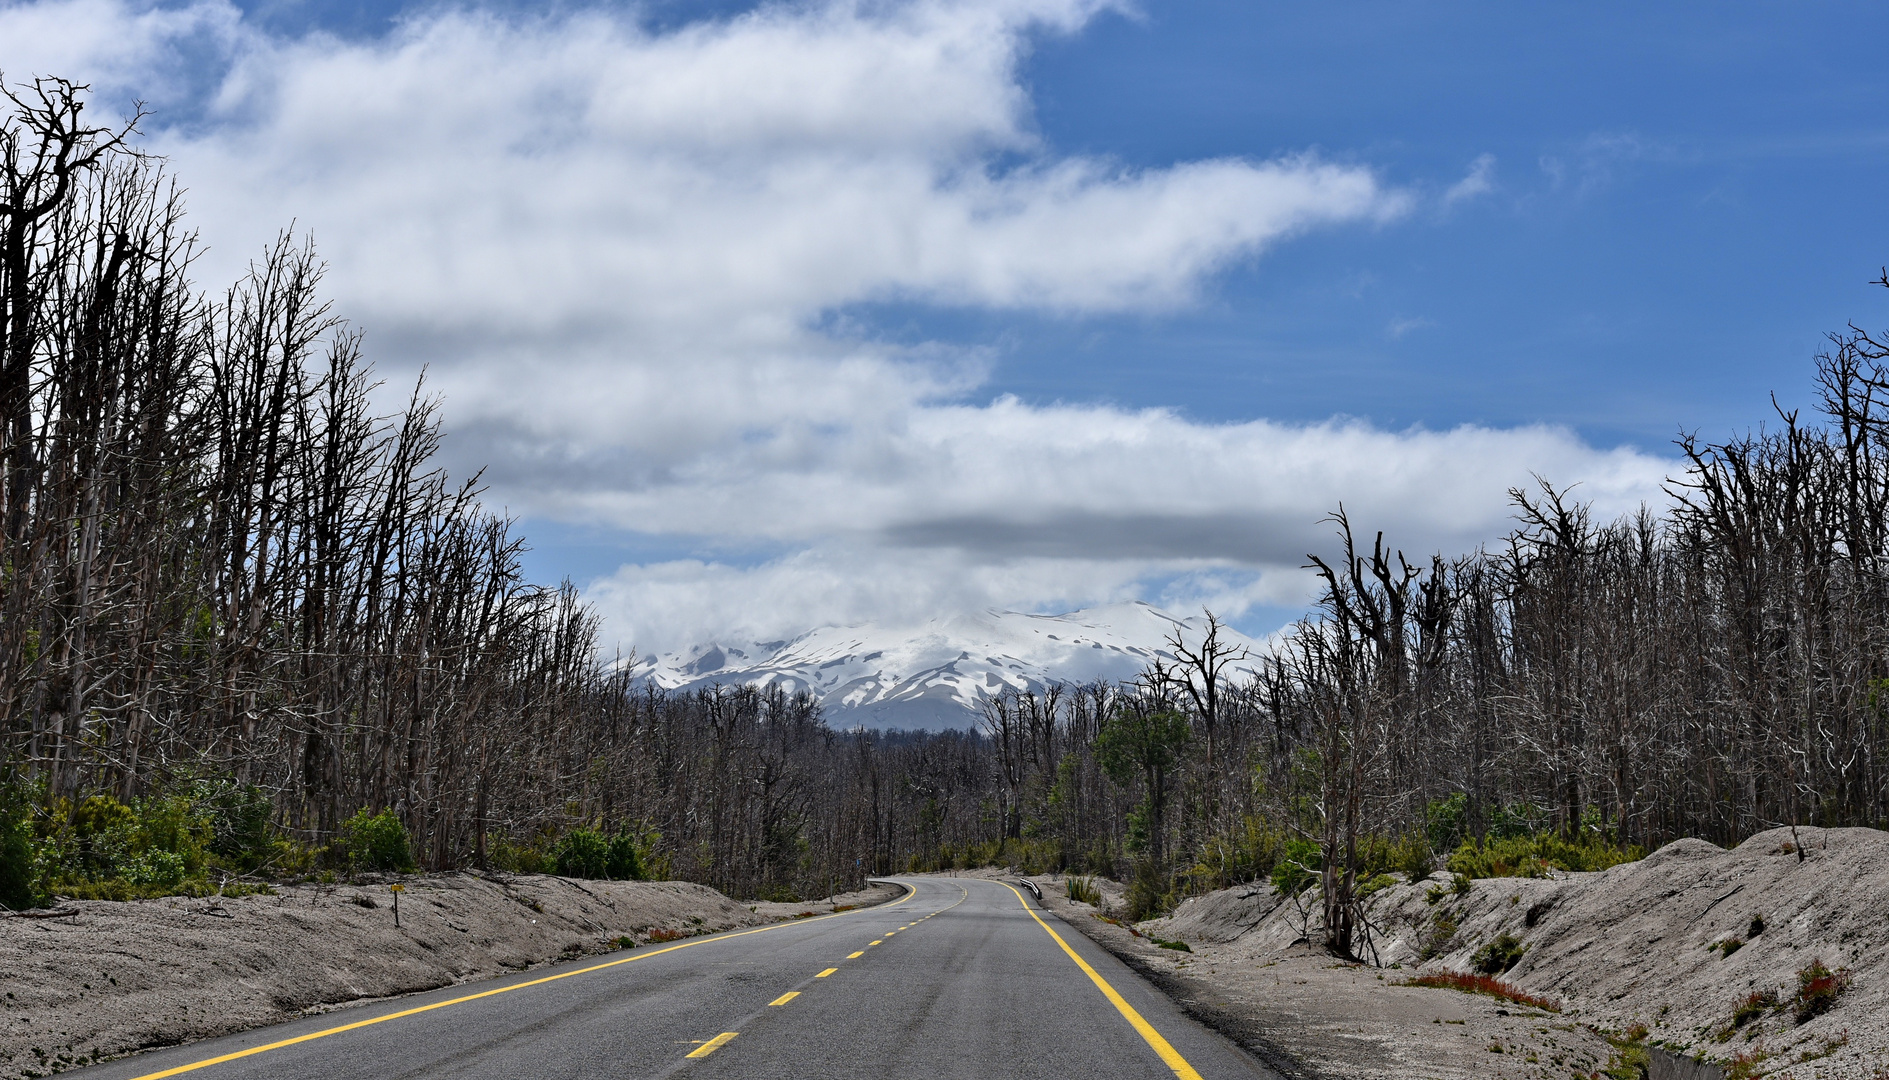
x,y
937,675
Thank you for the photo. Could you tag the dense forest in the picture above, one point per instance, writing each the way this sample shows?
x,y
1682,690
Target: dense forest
x,y
250,629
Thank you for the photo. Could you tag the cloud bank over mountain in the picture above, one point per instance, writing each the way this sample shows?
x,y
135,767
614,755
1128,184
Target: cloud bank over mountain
x,y
627,258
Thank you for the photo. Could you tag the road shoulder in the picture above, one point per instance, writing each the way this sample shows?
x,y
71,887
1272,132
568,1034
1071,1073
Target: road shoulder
x,y
1312,1017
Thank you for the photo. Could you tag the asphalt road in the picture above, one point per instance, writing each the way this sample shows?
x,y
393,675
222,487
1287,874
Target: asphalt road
x,y
962,977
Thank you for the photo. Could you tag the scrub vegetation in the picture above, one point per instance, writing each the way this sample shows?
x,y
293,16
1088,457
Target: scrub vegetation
x,y
250,629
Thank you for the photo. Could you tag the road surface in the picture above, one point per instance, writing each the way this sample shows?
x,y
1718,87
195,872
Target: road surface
x,y
963,977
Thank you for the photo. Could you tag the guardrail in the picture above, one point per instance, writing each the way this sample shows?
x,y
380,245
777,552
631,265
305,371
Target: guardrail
x,y
1031,885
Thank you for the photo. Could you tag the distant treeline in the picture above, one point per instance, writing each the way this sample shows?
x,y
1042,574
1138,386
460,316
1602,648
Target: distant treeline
x,y
224,575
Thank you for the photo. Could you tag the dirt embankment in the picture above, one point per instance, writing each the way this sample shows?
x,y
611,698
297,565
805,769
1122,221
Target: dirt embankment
x,y
114,978
1644,944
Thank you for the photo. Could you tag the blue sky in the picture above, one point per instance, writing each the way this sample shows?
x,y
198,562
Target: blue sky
x,y
780,316
1684,199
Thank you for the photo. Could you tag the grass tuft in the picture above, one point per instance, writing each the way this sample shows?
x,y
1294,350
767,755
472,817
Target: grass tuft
x,y
1083,890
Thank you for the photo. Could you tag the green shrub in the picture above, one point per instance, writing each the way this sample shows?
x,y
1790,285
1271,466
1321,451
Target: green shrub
x,y
1298,868
239,819
1235,858
377,841
1442,931
1372,885
1537,856
583,853
1407,854
1148,892
504,853
1446,822
1498,956
163,869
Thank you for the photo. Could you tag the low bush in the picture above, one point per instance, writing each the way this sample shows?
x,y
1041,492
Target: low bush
x,y
1298,868
1538,856
377,842
1498,956
1247,854
582,853
1374,885
518,857
1409,855
1817,990
588,853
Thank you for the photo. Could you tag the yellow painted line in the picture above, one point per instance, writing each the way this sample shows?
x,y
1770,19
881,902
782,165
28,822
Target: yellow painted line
x,y
829,971
714,1044
855,956
870,944
1146,1030
325,1032
785,998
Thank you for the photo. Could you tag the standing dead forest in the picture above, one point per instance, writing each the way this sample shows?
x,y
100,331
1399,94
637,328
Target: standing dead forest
x,y
249,629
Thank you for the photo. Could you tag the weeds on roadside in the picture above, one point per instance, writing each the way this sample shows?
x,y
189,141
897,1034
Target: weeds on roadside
x,y
1754,1006
1817,990
1083,890
1485,985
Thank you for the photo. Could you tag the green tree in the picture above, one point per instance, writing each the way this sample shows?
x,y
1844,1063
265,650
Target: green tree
x,y
1137,745
16,851
625,861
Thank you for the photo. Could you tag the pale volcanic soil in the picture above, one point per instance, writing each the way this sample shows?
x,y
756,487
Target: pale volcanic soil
x,y
1628,946
115,978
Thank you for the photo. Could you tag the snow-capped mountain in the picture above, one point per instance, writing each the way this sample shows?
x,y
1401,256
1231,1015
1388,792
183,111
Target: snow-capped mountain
x,y
938,675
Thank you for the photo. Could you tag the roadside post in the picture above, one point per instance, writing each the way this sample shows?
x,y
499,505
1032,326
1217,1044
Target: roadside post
x,y
397,890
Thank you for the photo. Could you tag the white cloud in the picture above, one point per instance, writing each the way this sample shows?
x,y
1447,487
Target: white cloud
x,y
1055,508
622,251
1479,181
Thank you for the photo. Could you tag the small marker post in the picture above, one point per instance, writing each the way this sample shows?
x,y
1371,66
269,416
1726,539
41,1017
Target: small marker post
x,y
397,890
